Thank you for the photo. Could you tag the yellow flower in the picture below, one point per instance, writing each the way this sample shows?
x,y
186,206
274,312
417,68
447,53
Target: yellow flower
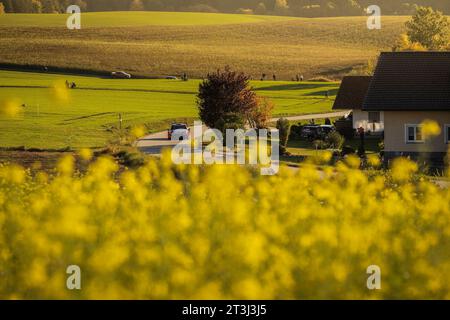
x,y
138,131
222,232
13,174
430,129
10,107
60,92
66,165
353,161
373,161
86,154
403,169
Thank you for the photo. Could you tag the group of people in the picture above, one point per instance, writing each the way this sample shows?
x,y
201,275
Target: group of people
x,y
298,77
70,85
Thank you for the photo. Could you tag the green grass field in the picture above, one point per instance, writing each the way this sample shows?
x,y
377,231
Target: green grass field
x,y
93,108
134,19
161,43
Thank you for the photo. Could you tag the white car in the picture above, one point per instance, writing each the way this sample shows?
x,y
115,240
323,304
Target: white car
x,y
120,75
179,131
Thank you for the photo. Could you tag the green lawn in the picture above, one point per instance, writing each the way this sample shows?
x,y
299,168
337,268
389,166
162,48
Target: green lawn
x,y
134,19
94,106
303,148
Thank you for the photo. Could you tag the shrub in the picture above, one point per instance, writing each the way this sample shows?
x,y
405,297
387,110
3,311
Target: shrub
x,y
261,8
335,140
260,116
130,159
284,128
321,79
347,150
296,131
320,144
345,128
36,6
137,5
244,11
201,8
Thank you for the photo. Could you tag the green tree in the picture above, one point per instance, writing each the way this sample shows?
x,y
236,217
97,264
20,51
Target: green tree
x,y
281,7
284,127
335,140
27,6
22,6
404,44
8,5
261,8
36,6
429,28
260,116
225,96
81,3
49,6
137,5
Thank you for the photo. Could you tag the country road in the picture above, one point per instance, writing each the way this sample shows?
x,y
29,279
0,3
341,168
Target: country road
x,y
154,143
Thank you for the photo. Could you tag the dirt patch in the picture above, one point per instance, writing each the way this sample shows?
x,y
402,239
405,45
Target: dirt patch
x,y
37,160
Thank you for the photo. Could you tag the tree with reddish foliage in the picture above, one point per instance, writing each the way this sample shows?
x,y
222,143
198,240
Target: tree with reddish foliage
x,y
225,100
259,117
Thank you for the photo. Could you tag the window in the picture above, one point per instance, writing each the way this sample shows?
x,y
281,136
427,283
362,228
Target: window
x,y
447,133
414,133
374,117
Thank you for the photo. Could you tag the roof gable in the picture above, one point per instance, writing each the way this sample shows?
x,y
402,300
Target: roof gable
x,y
410,81
352,93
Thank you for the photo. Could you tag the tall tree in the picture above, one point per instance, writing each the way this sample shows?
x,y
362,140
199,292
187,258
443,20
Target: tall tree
x,y
36,6
285,7
136,5
8,5
49,6
22,6
429,28
225,96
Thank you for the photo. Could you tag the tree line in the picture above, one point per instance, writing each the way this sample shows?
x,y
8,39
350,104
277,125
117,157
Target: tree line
x,y
302,8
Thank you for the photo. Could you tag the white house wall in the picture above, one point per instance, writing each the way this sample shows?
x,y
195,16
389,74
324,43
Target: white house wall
x,y
361,119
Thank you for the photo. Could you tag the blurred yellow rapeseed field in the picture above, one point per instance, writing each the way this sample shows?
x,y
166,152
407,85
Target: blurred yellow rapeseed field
x,y
10,108
60,92
222,232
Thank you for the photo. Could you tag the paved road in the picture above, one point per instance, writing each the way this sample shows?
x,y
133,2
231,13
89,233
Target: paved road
x,y
154,143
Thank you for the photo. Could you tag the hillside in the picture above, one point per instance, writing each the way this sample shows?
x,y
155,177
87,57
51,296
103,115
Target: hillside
x,y
155,43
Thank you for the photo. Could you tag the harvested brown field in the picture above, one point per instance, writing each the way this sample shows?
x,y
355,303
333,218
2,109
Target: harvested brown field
x,y
328,47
